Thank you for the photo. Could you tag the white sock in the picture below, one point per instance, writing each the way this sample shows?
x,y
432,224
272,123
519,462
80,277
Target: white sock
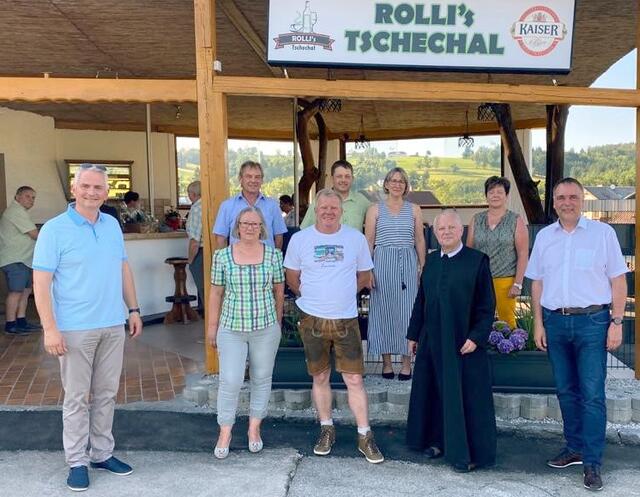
x,y
363,430
326,422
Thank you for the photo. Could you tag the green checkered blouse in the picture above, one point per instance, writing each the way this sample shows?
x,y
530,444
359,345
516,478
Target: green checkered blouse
x,y
248,303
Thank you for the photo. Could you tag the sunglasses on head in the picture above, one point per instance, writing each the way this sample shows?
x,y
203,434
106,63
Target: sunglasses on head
x,y
98,167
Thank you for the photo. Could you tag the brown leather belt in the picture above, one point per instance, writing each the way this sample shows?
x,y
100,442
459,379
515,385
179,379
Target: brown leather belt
x,y
569,311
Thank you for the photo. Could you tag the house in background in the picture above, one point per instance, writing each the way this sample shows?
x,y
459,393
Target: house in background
x,y
612,204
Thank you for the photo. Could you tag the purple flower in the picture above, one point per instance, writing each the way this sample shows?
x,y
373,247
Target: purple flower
x,y
518,341
495,337
521,332
505,346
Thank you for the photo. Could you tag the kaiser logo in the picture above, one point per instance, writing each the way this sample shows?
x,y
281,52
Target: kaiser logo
x,y
302,35
538,31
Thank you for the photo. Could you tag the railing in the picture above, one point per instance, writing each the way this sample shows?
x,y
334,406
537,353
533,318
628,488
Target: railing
x,y
620,363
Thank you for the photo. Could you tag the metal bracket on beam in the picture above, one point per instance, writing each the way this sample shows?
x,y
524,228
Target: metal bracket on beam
x,y
217,66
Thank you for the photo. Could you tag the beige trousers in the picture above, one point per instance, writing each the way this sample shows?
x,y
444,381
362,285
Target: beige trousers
x,y
90,372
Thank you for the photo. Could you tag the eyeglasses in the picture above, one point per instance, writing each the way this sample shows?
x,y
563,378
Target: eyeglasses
x,y
98,167
397,182
246,225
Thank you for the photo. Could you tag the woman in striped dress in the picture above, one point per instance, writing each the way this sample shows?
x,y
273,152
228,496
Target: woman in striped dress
x,y
395,234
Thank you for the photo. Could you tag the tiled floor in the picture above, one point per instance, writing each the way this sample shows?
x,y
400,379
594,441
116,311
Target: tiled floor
x,y
30,377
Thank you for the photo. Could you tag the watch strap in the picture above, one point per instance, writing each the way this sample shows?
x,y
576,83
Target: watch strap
x,y
134,309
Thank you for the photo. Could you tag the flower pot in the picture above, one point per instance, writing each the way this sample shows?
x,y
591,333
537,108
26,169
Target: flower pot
x,y
290,370
522,372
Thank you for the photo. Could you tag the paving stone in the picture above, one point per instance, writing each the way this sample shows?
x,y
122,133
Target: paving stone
x,y
619,416
341,400
244,399
553,402
297,399
508,412
635,415
635,403
554,413
398,397
506,400
276,398
213,395
376,396
618,404
198,394
533,406
629,436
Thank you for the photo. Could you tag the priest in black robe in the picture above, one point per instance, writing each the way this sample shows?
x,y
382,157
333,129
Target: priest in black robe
x,y
451,410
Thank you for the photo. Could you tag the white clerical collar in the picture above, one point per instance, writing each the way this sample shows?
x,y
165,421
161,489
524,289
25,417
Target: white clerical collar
x,y
452,253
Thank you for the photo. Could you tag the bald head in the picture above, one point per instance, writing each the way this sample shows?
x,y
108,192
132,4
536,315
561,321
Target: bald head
x,y
448,229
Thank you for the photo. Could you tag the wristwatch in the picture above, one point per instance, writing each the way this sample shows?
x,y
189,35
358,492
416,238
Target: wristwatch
x,y
518,286
135,309
616,321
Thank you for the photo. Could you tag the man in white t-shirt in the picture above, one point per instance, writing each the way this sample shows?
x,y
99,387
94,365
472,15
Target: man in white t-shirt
x,y
327,264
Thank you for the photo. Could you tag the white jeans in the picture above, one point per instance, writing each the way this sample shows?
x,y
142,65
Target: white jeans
x,y
262,346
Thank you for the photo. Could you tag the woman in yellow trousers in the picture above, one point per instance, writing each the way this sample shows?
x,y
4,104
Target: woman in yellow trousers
x,y
503,236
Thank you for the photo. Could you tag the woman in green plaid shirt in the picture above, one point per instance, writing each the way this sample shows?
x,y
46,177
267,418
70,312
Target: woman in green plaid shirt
x,y
245,315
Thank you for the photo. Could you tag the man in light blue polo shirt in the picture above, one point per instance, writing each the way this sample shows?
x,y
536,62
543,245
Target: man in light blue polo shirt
x,y
250,176
82,281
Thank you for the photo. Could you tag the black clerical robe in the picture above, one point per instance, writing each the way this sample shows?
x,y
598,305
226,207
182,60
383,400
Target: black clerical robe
x,y
451,403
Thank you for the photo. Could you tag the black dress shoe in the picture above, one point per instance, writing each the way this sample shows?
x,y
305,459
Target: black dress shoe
x,y
388,376
433,453
592,479
463,468
404,377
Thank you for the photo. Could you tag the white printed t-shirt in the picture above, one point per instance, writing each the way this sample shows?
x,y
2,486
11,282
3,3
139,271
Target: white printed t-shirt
x,y
328,265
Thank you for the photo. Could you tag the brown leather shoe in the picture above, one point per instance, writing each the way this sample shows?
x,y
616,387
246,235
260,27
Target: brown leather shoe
x,y
592,479
565,459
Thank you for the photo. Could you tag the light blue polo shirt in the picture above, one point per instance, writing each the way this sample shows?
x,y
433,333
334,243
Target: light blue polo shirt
x,y
86,262
230,208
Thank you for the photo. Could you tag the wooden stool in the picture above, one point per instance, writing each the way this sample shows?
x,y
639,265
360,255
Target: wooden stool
x,y
181,310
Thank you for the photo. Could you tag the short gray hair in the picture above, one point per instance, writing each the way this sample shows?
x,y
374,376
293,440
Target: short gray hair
x,y
328,192
235,231
194,187
98,168
249,165
447,212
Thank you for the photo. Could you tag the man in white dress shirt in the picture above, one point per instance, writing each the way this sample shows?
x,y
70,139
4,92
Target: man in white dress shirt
x,y
579,290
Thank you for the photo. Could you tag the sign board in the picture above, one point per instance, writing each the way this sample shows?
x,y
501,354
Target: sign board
x,y
533,36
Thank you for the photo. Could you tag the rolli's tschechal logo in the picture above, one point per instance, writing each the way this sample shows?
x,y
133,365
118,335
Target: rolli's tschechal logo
x,y
302,35
538,31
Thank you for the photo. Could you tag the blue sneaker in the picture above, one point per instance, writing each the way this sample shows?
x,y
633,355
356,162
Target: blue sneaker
x,y
113,465
78,479
28,327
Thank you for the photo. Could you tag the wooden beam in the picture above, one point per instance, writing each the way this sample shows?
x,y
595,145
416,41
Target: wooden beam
x,y
212,126
244,27
92,90
556,124
409,91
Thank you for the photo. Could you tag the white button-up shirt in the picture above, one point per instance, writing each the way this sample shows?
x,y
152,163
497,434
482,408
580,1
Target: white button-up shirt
x,y
576,267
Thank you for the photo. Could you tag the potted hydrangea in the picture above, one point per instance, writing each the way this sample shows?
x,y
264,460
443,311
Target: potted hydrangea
x,y
516,364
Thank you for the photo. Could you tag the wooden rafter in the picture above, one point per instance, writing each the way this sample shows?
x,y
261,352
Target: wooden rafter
x,y
244,27
409,91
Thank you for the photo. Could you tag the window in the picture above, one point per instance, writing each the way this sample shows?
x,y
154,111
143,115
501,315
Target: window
x,y
188,165
119,173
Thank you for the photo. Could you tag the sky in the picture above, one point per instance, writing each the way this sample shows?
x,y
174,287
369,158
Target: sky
x,y
586,126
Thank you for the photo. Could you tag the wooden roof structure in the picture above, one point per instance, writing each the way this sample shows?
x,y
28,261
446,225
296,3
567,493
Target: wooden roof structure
x,y
156,40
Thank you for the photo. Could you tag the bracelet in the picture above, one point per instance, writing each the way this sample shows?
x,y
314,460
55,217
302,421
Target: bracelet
x,y
518,286
135,309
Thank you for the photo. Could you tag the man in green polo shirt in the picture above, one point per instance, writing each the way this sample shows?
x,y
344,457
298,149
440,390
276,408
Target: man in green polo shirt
x,y
354,204
18,236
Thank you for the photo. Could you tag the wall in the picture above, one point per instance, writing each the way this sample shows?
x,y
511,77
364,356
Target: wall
x,y
33,149
28,142
125,145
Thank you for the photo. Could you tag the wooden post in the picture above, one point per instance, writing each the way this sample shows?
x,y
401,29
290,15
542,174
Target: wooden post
x,y
212,130
556,125
636,290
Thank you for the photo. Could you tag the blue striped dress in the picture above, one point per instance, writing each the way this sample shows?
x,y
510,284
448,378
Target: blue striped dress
x,y
396,278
